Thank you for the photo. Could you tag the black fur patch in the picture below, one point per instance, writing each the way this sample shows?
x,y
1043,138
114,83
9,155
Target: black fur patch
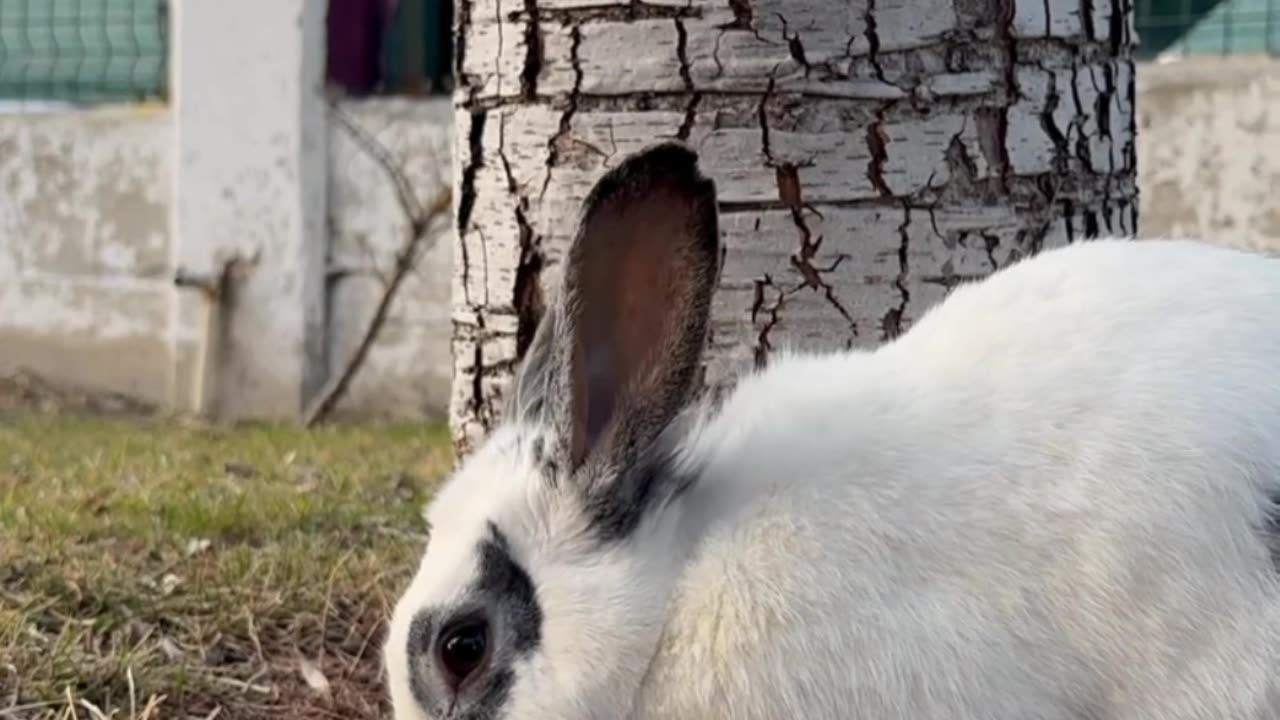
x,y
510,590
617,506
1271,531
504,594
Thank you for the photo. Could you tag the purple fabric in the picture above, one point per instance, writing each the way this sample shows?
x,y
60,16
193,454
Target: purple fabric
x,y
355,32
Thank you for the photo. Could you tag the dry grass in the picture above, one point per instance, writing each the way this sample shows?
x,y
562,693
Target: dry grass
x,y
151,568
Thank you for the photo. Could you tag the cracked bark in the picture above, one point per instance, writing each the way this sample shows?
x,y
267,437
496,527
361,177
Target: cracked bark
x,y
571,106
533,51
1050,126
811,276
461,30
682,53
872,34
527,290
891,324
878,149
763,347
866,165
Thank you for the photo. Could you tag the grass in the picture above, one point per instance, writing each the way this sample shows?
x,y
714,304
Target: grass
x,y
153,568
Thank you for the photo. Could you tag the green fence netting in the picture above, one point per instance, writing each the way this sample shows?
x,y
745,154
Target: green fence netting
x,y
117,50
1200,27
84,50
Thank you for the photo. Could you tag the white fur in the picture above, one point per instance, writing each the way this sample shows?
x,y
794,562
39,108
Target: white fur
x,y
1040,503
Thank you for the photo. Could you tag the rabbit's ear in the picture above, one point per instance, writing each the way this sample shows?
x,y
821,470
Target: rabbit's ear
x,y
639,280
617,355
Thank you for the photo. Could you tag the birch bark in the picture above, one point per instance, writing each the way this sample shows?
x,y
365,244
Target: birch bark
x,y
869,155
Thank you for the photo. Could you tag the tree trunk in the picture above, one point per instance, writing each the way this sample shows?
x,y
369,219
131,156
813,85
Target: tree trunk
x,y
869,155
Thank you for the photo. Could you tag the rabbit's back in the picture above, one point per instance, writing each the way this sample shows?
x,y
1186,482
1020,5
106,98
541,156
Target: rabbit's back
x,y
1051,499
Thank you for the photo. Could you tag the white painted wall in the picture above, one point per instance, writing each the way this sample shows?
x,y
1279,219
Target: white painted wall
x,y
1209,147
100,209
84,247
88,255
408,371
88,218
249,132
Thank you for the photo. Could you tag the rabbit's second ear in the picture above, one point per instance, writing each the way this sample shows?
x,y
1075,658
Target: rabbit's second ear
x,y
639,282
617,356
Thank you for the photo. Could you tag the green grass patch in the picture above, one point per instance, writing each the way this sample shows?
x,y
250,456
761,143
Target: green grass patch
x,y
167,569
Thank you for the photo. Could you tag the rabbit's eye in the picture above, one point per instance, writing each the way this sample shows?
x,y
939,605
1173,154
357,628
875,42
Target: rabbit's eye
x,y
462,650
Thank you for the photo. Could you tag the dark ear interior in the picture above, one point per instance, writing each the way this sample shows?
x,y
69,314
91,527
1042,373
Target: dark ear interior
x,y
635,303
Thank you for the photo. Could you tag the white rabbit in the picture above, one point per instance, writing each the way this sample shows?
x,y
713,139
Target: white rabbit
x,y
1050,499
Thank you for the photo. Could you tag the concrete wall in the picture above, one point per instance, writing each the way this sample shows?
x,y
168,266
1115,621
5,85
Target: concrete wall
x,y
85,247
93,227
242,178
1209,150
88,256
249,130
408,372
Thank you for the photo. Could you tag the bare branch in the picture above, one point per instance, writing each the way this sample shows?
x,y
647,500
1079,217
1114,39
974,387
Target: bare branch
x,y
375,149
421,218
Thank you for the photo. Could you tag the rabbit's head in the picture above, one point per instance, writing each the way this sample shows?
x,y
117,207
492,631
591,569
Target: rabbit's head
x,y
555,545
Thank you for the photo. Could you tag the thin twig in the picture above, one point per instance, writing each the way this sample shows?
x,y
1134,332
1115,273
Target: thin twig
x,y
71,704
17,711
153,706
241,685
384,157
133,694
95,712
253,636
420,221
333,390
328,598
